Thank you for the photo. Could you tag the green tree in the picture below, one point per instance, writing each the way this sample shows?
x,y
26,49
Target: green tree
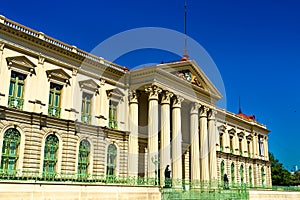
x,y
280,176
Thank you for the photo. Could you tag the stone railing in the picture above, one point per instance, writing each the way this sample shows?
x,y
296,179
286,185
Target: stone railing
x,y
60,44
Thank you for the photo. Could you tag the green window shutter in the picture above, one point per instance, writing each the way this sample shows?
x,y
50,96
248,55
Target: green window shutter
x,y
83,158
111,159
50,155
232,173
11,142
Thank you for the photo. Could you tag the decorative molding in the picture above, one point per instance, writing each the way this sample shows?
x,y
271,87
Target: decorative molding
x,y
232,131
58,76
115,94
89,85
37,102
72,110
74,72
21,64
212,114
41,59
102,82
222,129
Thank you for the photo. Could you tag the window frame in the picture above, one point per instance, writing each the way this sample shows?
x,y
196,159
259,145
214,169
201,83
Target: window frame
x,y
54,108
16,90
53,160
86,113
7,154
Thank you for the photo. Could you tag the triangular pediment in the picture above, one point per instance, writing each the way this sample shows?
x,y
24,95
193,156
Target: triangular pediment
x,y
89,84
21,63
58,75
191,73
115,94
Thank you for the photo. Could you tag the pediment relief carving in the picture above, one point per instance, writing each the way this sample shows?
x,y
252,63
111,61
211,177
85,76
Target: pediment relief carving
x,y
115,94
58,76
190,77
21,64
89,85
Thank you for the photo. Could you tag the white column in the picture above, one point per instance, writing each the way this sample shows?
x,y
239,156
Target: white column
x,y
152,129
204,173
165,147
194,138
133,148
176,142
213,137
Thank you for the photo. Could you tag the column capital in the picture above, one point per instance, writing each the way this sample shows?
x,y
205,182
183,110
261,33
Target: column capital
x,y
166,97
153,92
133,96
203,111
212,114
195,108
177,101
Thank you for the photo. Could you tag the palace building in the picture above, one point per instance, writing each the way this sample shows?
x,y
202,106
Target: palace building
x,y
68,114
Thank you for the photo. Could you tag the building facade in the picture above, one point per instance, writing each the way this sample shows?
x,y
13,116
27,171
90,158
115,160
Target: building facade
x,y
65,113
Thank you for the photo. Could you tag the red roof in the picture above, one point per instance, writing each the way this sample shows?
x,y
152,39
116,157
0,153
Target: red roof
x,y
250,117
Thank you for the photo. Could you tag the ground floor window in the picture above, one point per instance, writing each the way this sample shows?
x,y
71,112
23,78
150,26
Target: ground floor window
x,y
111,159
10,150
50,155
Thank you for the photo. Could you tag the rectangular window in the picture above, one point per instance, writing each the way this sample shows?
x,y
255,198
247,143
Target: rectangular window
x,y
221,143
113,108
240,147
16,90
231,144
261,145
248,148
86,108
54,100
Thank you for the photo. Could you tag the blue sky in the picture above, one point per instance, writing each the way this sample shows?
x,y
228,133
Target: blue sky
x,y
255,45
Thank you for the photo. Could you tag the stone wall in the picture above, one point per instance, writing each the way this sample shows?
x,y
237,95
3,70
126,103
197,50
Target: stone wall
x,y
272,195
55,191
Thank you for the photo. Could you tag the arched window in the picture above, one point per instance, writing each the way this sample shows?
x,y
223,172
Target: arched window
x,y
10,150
250,176
222,170
50,155
83,158
232,173
242,173
262,176
111,159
